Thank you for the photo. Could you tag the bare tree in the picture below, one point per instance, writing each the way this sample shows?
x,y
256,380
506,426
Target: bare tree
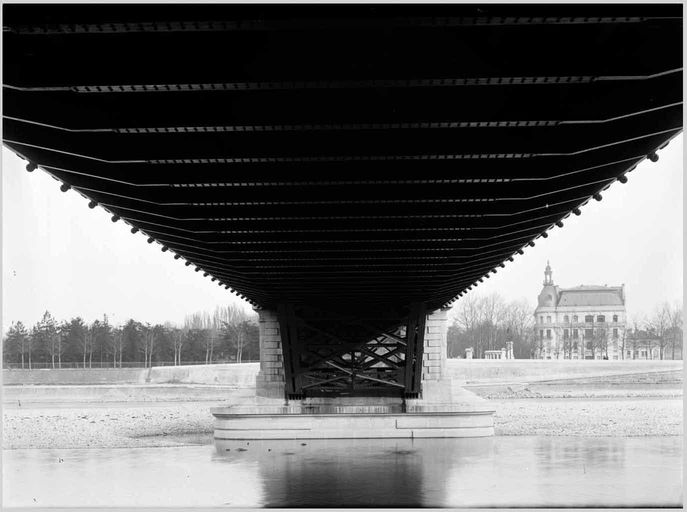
x,y
659,324
621,343
179,336
202,321
115,344
86,343
600,342
467,317
232,321
675,328
487,323
148,345
567,343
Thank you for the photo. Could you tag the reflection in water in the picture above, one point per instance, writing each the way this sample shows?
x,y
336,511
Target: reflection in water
x,y
367,472
501,471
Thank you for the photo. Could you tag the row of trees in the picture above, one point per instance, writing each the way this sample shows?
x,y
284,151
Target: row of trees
x,y
231,334
487,322
662,330
228,334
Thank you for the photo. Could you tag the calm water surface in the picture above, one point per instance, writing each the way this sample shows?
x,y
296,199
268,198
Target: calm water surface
x,y
500,471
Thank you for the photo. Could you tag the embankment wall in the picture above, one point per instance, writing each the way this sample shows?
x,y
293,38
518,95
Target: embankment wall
x,y
534,370
243,375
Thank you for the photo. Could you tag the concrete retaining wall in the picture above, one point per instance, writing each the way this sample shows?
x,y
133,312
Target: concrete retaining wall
x,y
238,375
74,376
16,395
533,370
243,375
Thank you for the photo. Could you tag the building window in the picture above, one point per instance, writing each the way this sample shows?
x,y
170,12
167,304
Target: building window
x,y
574,333
541,319
589,345
615,333
589,318
548,334
574,318
575,345
541,334
615,318
643,353
565,334
548,319
588,333
600,318
566,318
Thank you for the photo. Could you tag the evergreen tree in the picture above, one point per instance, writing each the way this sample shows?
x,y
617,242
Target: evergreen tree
x,y
15,344
46,338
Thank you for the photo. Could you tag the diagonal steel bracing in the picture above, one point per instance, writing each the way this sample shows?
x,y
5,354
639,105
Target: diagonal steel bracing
x,y
328,354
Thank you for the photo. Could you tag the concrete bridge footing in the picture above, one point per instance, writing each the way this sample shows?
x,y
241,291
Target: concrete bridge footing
x,y
444,408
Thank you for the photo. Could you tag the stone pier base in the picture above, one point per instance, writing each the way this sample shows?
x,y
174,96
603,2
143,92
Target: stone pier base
x,y
278,424
444,409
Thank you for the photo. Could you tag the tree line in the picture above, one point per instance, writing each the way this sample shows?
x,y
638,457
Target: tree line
x,y
662,330
229,334
487,322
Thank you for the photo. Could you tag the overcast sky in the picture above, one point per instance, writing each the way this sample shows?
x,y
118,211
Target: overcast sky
x,y
61,256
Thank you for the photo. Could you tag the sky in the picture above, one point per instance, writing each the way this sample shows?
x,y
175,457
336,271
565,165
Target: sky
x,y
60,256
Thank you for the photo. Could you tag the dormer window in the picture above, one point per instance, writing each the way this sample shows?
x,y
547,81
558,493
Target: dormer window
x,y
589,318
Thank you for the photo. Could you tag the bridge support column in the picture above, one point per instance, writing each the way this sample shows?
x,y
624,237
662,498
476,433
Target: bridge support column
x,y
440,392
270,382
435,350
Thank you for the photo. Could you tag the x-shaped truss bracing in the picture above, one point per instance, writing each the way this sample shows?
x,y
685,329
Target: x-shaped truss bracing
x,y
334,355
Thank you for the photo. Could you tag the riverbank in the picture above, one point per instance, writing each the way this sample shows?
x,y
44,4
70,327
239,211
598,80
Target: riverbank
x,y
141,424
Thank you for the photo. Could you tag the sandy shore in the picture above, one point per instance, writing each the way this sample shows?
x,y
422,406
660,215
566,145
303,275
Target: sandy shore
x,y
108,427
633,405
584,417
177,424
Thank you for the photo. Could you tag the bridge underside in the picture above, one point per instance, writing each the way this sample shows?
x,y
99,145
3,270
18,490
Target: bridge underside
x,y
349,168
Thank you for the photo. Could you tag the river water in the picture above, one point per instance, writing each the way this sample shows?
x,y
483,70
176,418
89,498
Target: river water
x,y
499,472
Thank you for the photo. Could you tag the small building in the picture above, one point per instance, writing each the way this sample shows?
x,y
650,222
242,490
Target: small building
x,y
495,354
504,353
584,322
642,345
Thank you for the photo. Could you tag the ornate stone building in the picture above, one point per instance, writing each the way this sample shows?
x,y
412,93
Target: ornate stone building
x,y
585,322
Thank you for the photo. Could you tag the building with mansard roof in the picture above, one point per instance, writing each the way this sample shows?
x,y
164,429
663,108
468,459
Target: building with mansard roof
x,y
584,322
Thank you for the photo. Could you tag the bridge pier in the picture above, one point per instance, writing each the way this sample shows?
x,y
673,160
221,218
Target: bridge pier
x,y
270,382
441,408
